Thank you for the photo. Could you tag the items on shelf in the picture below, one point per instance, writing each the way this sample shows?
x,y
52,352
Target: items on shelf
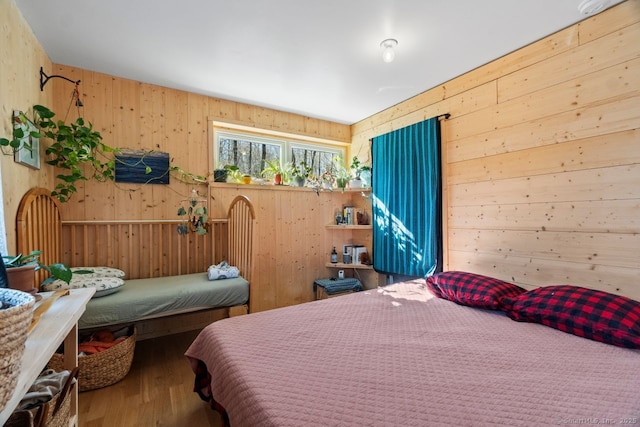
x,y
355,254
334,255
350,215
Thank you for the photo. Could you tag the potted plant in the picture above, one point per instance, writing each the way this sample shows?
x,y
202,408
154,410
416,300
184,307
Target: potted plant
x,y
21,270
273,170
342,175
233,174
327,179
357,170
300,172
220,174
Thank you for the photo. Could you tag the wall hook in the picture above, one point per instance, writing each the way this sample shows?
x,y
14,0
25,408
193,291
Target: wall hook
x,y
44,78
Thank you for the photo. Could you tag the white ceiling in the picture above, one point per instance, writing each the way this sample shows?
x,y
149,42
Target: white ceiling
x,y
317,58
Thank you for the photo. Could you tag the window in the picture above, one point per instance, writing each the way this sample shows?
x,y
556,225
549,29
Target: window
x,y
250,152
318,158
247,152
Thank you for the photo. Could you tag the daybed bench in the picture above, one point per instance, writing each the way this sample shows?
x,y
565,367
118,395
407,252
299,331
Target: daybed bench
x,y
193,297
142,299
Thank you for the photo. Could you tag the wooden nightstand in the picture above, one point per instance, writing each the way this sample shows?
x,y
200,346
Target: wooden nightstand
x,y
329,288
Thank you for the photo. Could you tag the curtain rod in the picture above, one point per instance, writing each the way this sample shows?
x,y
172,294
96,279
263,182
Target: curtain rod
x,y
441,117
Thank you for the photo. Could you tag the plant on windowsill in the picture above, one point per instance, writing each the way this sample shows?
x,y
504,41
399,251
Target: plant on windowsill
x,y
300,173
273,171
357,170
233,174
327,180
21,270
341,173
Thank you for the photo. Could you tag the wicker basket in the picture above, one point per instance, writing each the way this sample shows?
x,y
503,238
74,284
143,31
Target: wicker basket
x,y
104,368
58,413
54,413
14,324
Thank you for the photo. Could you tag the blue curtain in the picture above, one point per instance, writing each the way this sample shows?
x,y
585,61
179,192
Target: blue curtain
x,y
406,192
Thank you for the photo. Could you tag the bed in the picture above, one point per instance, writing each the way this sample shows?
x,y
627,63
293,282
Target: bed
x,y
39,227
400,355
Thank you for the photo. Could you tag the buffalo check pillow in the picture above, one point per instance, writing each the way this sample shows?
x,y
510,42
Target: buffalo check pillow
x,y
587,313
471,289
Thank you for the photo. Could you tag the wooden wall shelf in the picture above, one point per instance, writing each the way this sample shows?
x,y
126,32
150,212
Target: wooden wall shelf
x,y
343,265
348,227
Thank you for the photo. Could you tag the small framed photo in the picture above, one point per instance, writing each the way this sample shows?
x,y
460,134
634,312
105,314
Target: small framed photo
x,y
28,153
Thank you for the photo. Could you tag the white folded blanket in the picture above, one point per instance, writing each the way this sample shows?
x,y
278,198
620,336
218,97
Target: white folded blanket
x,y
222,271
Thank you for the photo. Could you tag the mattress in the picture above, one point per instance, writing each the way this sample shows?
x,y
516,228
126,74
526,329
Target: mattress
x,y
142,299
399,356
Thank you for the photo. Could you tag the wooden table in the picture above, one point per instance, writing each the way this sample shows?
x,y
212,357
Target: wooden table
x,y
59,324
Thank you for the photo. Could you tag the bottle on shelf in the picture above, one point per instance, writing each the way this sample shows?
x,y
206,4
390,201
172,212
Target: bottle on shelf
x,y
334,256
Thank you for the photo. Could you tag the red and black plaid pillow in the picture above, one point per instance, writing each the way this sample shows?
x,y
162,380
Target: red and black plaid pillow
x,y
587,313
471,289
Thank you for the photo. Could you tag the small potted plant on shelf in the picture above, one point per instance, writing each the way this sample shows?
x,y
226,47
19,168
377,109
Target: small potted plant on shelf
x,y
357,172
21,270
220,174
300,172
341,173
273,171
327,179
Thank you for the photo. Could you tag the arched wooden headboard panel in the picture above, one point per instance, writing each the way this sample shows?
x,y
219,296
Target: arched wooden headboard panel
x,y
39,227
240,223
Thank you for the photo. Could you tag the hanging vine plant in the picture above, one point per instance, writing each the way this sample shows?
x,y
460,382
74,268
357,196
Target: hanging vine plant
x,y
78,149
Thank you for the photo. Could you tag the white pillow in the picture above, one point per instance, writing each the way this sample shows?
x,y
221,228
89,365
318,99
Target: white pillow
x,y
103,285
99,272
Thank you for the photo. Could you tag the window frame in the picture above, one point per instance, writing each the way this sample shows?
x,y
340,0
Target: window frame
x,y
286,145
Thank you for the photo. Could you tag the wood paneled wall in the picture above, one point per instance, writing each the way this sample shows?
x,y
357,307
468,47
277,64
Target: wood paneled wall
x,y
21,57
143,248
292,244
542,157
142,116
135,115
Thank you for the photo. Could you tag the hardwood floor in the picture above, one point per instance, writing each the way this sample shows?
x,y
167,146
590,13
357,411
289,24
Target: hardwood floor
x,y
156,392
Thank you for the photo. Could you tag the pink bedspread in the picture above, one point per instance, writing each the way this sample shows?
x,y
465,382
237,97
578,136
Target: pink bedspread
x,y
397,357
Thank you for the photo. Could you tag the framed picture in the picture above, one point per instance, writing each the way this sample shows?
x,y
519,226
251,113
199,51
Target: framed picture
x,y
142,167
28,153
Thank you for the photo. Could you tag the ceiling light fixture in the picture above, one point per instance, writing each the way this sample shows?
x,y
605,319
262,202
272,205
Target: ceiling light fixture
x,y
591,7
388,53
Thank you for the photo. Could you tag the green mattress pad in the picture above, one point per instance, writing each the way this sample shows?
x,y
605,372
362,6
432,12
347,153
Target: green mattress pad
x,y
162,296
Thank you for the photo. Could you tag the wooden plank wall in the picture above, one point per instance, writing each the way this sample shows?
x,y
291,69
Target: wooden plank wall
x,y
292,244
142,116
543,157
143,249
21,57
136,115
